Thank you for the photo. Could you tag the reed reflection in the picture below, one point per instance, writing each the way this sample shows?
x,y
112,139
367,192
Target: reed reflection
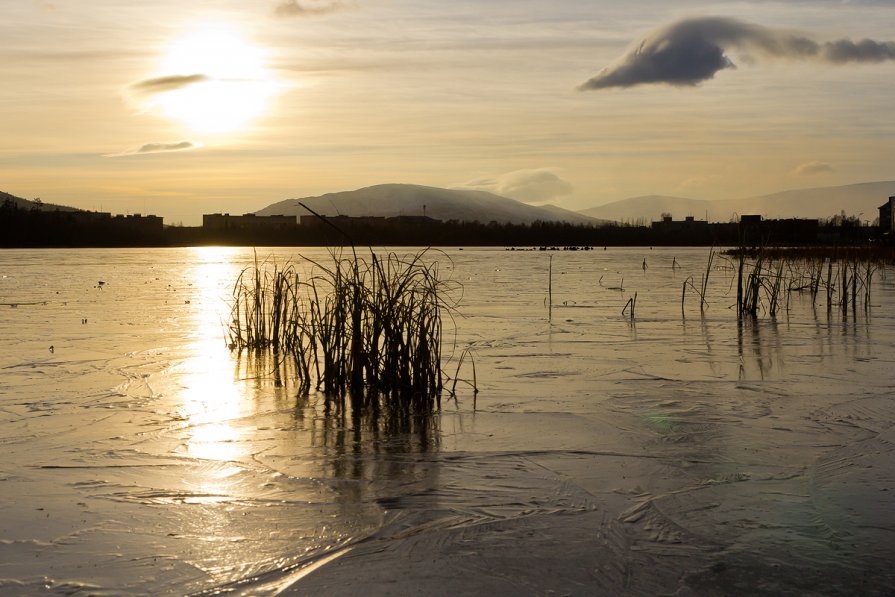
x,y
360,445
759,348
270,456
838,337
710,357
843,334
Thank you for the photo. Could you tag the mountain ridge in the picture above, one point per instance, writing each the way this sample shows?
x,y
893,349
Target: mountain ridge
x,y
858,199
392,200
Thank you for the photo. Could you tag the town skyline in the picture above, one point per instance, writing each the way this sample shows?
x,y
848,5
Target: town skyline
x,y
217,106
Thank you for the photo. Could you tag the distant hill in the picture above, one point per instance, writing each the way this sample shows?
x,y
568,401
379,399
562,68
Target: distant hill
x,y
391,200
26,204
650,208
822,202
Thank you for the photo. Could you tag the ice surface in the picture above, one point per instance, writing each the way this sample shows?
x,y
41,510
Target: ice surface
x,y
675,454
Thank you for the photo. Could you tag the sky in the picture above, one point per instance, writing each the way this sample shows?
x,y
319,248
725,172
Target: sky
x,y
182,108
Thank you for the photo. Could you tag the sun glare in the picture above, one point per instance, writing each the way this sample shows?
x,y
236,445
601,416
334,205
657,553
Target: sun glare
x,y
211,399
225,85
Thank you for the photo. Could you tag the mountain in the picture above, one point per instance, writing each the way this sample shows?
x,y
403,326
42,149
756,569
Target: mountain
x,y
860,200
564,215
650,207
26,204
390,200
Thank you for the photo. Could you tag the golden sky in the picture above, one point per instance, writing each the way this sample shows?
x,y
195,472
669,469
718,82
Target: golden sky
x,y
183,108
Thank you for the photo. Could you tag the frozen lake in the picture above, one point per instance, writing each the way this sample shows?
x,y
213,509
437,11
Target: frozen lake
x,y
672,454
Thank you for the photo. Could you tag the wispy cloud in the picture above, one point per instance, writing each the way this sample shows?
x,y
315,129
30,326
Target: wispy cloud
x,y
812,168
294,8
537,185
688,52
158,148
866,50
169,83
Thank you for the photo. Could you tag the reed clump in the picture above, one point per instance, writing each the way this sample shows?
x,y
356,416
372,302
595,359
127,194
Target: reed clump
x,y
878,253
767,279
369,328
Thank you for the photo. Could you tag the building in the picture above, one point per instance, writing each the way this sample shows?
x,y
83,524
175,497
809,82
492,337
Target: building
x,y
340,220
755,231
886,222
246,222
139,223
414,220
688,224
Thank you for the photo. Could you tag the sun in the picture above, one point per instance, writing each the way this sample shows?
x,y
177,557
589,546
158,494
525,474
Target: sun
x,y
224,81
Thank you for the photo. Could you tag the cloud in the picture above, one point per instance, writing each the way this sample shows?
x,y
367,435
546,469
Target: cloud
x,y
812,168
158,148
294,8
532,186
688,52
866,50
170,83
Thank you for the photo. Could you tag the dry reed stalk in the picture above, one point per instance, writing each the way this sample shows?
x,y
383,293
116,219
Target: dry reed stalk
x,y
629,306
702,289
705,280
829,286
354,327
771,282
550,291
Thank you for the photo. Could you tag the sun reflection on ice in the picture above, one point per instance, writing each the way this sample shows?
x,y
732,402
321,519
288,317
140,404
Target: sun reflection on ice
x,y
212,399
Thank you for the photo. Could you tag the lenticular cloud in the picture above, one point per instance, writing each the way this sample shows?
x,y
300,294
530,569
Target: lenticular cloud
x,y
688,52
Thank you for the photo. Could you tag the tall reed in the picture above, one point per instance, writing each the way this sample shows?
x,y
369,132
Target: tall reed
x,y
702,289
369,328
550,291
630,306
771,282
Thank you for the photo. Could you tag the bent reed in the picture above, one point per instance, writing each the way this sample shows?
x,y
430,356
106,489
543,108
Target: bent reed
x,y
368,328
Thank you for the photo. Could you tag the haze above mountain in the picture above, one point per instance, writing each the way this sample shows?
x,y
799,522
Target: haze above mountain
x,y
391,200
861,200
